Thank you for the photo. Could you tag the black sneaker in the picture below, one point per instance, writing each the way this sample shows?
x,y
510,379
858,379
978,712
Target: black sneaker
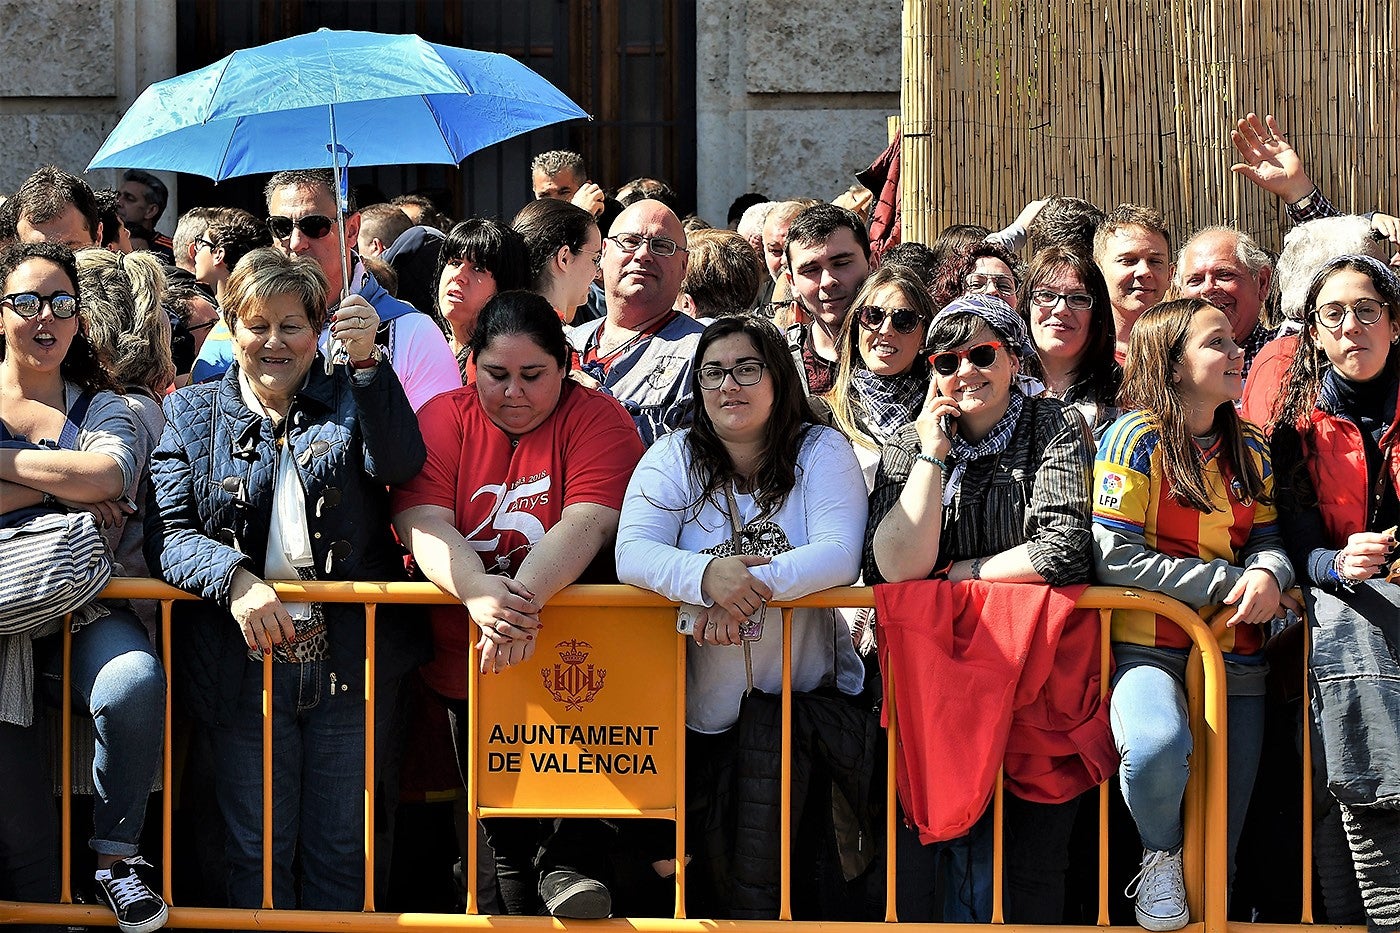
x,y
574,896
138,908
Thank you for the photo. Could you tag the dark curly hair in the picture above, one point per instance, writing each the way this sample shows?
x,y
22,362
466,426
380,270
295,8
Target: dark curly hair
x,y
81,364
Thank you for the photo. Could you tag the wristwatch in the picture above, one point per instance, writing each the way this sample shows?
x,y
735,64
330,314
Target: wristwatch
x,y
376,355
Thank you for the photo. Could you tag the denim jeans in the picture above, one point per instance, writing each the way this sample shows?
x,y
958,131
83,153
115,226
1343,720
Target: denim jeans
x,y
318,768
961,867
1153,734
115,673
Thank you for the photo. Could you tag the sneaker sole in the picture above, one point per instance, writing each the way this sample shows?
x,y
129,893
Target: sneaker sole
x,y
1162,924
583,900
148,926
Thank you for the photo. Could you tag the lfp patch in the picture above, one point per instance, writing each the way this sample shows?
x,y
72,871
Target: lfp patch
x,y
1111,490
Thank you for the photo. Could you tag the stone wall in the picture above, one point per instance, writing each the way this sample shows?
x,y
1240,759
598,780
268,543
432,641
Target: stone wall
x,y
791,97
71,68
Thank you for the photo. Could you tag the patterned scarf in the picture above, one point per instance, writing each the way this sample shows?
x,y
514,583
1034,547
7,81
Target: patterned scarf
x,y
888,403
995,442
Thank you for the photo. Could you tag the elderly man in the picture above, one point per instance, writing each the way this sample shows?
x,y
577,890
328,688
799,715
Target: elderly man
x,y
828,258
143,197
1133,251
53,206
641,351
301,207
1228,269
560,174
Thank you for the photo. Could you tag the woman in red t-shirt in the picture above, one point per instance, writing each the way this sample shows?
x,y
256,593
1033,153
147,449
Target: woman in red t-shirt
x,y
521,490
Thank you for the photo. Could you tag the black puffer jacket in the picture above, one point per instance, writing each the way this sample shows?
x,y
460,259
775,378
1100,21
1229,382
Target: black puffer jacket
x,y
210,509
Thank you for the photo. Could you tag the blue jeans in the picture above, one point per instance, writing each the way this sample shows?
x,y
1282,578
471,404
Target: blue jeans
x,y
115,673
1153,735
961,868
318,779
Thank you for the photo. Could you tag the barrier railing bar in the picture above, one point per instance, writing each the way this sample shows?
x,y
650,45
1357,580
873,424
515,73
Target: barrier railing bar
x,y
891,801
474,811
369,754
998,846
167,804
65,770
680,778
1105,663
785,779
267,781
597,813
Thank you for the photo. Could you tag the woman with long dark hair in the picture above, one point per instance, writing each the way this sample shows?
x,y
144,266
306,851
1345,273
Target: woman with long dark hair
x,y
479,258
1337,460
754,502
565,249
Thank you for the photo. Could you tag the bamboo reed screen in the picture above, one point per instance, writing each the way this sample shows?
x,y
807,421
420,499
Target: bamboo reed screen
x,y
1005,101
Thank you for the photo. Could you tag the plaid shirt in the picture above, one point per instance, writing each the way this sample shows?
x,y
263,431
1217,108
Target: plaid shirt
x,y
1253,342
1318,206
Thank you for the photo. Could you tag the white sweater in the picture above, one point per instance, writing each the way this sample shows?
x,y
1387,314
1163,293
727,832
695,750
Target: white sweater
x,y
823,518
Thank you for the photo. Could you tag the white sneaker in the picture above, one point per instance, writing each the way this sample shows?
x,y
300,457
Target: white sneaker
x,y
1160,892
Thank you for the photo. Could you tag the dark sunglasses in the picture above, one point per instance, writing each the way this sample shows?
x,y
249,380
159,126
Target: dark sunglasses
x,y
904,320
982,356
28,304
314,226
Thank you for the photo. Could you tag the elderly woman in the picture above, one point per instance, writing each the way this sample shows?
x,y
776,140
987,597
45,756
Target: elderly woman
x,y
754,502
565,250
70,443
1065,302
1333,441
986,484
280,471
520,492
479,258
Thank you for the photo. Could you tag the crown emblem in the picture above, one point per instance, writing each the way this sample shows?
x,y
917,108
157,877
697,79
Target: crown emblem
x,y
573,681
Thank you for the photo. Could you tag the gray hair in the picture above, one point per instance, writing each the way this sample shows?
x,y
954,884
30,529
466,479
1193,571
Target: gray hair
x,y
1309,246
1248,252
754,217
557,160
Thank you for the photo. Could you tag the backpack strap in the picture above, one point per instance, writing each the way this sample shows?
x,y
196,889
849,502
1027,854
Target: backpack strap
x,y
68,439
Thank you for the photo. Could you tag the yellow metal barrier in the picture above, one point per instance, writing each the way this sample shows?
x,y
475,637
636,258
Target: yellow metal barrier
x,y
1205,803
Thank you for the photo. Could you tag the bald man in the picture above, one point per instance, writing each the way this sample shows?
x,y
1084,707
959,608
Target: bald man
x,y
642,350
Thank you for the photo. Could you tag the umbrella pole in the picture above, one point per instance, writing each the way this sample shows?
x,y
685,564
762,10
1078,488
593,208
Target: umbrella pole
x,y
342,204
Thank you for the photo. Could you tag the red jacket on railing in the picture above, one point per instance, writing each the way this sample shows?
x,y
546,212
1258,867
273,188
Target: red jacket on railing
x,y
971,664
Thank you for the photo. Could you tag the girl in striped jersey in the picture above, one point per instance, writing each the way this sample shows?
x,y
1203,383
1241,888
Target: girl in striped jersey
x,y
1183,504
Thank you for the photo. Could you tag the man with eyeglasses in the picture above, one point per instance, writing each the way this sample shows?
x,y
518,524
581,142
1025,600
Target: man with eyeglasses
x,y
828,258
641,351
301,207
1228,269
210,243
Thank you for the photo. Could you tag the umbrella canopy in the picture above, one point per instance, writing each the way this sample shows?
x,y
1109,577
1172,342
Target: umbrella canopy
x,y
383,99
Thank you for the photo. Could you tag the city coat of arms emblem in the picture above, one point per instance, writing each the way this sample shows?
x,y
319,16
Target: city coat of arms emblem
x,y
572,681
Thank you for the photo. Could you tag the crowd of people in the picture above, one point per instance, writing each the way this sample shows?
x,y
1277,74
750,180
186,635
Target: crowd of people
x,y
605,390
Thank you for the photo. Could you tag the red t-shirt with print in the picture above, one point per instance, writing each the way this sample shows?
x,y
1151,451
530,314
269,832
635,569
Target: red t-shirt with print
x,y
505,494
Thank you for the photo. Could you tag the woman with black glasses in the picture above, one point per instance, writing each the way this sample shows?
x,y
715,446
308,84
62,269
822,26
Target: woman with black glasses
x,y
881,377
1065,303
985,484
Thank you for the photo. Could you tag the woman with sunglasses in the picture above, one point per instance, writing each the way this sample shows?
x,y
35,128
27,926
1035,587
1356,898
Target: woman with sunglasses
x,y
1065,302
1337,461
754,466
985,484
565,250
1184,505
479,258
70,443
882,377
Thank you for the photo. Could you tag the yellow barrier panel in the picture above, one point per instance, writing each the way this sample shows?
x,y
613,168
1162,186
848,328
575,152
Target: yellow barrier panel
x,y
612,621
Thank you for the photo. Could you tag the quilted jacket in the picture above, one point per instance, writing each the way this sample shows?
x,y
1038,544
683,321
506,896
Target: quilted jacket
x,y
210,509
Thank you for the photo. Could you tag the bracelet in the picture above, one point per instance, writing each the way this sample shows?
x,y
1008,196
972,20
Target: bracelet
x,y
930,458
976,570
1342,578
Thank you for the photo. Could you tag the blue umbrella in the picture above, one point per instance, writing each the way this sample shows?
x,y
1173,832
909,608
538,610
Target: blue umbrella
x,y
384,99
332,99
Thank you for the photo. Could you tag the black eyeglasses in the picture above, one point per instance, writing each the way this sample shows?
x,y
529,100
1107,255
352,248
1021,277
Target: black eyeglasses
x,y
660,245
745,374
904,320
211,244
1045,298
982,356
1367,311
314,226
28,304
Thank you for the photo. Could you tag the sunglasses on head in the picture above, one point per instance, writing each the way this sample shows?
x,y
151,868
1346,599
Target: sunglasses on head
x,y
982,356
28,304
314,226
904,320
